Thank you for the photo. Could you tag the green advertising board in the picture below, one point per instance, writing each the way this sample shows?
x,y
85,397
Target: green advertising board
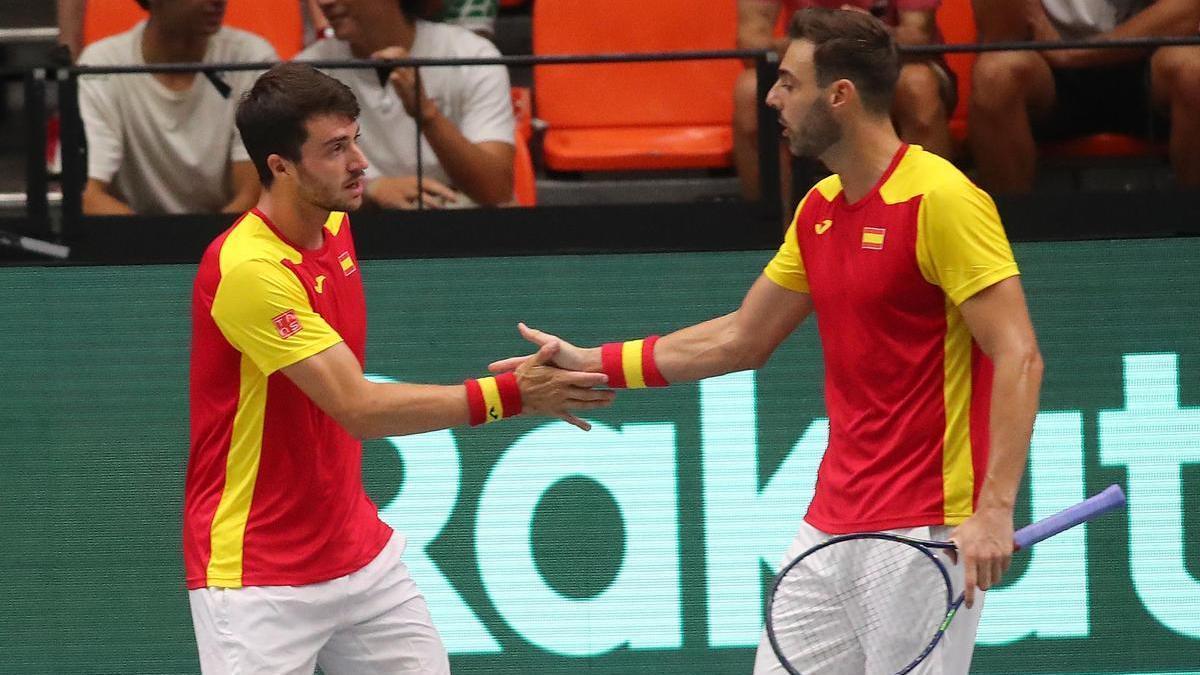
x,y
643,546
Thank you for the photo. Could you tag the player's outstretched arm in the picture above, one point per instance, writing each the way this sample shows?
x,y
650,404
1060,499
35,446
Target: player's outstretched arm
x,y
335,382
741,340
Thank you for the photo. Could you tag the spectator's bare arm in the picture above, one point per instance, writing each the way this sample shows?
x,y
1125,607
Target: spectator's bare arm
x,y
756,25
246,187
916,27
1003,20
1165,18
70,25
484,171
99,201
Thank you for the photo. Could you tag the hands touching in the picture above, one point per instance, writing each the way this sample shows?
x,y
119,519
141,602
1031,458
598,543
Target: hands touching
x,y
553,391
567,356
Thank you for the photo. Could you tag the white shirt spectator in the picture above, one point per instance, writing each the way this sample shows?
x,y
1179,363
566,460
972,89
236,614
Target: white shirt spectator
x,y
1081,19
477,99
165,151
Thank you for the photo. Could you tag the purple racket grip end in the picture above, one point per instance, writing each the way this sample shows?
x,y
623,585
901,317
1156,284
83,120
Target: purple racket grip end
x,y
1111,498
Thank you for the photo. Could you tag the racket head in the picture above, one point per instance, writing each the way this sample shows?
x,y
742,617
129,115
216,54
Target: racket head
x,y
870,602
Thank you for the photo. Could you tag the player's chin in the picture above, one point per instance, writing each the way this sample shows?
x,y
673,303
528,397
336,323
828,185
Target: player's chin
x,y
353,195
344,203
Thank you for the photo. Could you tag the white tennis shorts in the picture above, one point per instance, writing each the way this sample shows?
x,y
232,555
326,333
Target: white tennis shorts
x,y
952,656
370,621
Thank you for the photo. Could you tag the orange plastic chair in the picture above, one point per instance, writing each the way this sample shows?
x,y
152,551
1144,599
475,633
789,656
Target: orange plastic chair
x,y
522,100
629,116
1104,145
524,182
279,22
956,20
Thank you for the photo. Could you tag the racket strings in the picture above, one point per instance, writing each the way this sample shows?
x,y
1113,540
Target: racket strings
x,y
858,606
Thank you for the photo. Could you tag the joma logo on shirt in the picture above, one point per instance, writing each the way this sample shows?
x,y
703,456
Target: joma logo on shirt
x,y
287,324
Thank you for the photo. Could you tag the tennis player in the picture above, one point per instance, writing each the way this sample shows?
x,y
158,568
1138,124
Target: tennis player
x,y
288,564
931,364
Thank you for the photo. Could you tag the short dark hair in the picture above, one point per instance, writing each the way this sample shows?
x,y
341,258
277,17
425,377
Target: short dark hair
x,y
271,116
853,46
145,4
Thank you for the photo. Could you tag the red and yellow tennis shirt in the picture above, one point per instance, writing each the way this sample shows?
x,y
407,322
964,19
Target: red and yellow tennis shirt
x,y
906,387
274,492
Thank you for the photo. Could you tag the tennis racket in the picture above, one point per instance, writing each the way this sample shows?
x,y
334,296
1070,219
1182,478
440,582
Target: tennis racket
x,y
877,602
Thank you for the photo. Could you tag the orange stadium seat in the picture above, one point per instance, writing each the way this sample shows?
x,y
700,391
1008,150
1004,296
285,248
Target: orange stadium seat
x,y
1104,145
280,22
524,182
629,116
522,100
956,20
957,23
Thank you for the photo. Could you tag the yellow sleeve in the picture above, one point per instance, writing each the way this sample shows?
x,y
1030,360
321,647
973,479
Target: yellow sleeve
x,y
961,245
786,268
262,309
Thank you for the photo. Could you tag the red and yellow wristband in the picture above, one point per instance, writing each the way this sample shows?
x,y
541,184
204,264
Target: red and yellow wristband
x,y
630,365
491,399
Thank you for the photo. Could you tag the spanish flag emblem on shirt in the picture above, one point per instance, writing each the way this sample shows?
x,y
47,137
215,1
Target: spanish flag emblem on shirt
x,y
872,239
347,263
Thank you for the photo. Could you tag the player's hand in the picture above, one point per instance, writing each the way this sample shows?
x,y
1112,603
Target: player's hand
x,y
400,192
985,546
550,391
568,355
404,81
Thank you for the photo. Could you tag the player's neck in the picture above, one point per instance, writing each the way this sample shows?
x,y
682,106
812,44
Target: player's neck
x,y
300,222
862,156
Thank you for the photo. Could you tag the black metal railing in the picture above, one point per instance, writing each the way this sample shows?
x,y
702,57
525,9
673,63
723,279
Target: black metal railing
x,y
74,174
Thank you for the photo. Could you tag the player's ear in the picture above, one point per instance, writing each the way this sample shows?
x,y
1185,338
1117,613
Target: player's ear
x,y
840,92
278,165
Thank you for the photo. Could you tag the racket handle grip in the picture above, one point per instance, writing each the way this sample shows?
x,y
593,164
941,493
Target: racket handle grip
x,y
1111,498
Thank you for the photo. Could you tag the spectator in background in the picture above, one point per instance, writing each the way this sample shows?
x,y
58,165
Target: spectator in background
x,y
925,95
167,143
466,111
71,14
477,16
1021,96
